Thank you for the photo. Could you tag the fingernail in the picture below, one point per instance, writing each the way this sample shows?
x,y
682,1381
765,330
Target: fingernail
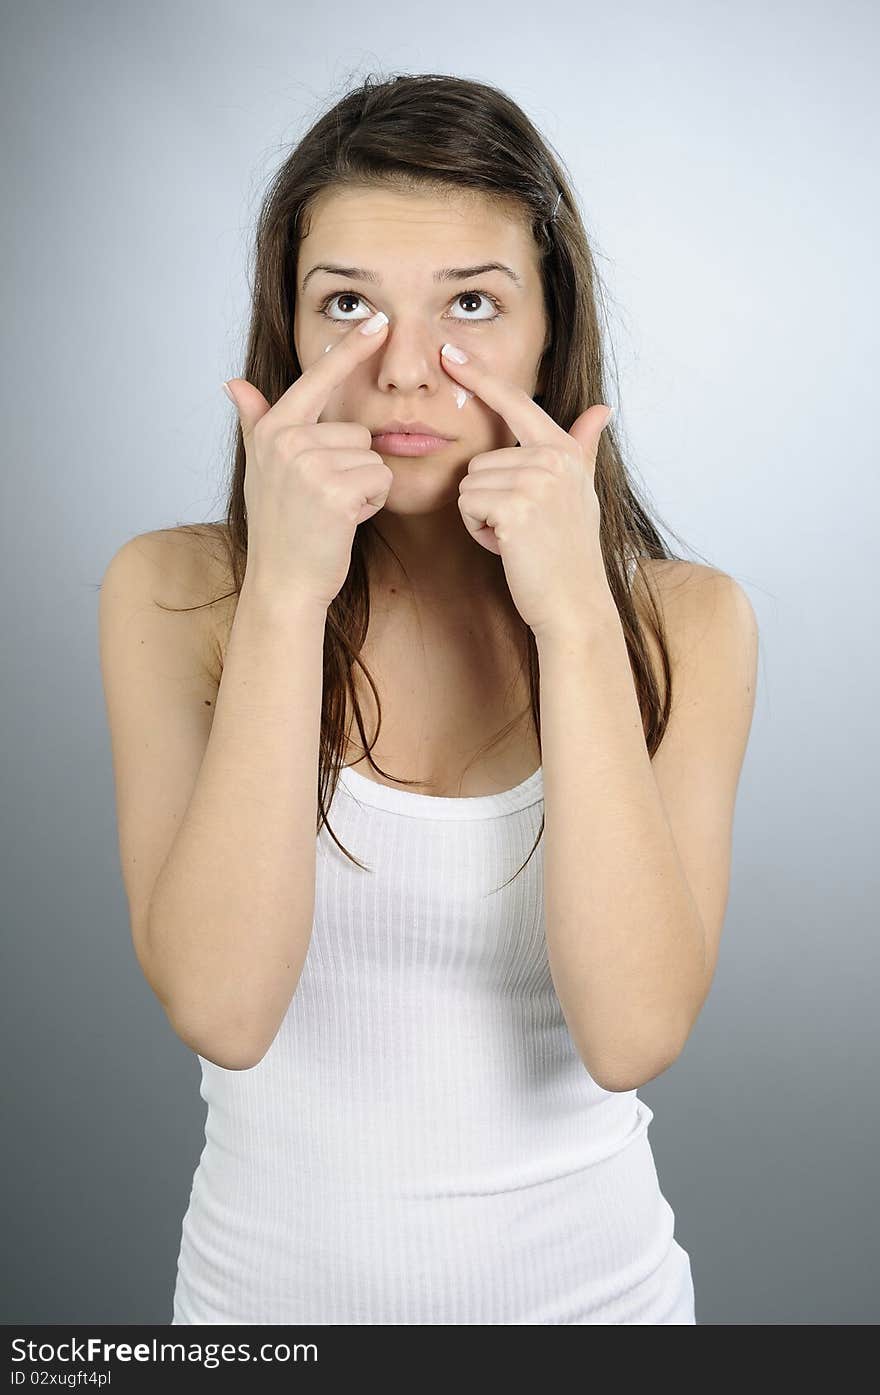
x,y
373,325
608,418
456,354
225,387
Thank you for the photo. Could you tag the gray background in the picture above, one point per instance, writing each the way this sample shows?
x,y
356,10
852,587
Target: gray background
x,y
721,157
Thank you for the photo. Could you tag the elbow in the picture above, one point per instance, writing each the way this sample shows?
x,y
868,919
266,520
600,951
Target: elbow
x,y
224,1049
619,1075
630,1065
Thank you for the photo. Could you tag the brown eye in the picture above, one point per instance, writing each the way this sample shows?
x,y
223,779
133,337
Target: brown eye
x,y
489,301
335,300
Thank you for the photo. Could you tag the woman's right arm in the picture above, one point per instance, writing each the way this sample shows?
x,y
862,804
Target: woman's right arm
x,y
217,818
216,807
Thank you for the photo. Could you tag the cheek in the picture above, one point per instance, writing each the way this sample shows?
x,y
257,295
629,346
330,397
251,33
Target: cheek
x,y
511,360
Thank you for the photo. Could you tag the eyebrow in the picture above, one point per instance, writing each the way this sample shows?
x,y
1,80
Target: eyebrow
x,y
446,273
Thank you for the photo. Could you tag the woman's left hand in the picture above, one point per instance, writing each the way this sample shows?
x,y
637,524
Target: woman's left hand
x,y
535,504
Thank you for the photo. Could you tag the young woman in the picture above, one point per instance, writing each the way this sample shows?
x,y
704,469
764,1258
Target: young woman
x,y
438,628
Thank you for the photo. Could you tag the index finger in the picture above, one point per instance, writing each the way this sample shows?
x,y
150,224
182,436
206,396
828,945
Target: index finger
x,y
305,400
529,423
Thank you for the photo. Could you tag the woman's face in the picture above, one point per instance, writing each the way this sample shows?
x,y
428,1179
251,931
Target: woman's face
x,y
404,241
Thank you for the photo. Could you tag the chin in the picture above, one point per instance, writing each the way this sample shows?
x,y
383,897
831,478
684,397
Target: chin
x,y
410,497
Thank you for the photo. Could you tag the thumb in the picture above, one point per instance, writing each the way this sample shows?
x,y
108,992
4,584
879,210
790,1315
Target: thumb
x,y
248,401
590,425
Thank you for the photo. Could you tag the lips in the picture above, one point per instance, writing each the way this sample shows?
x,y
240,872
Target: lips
x,y
410,428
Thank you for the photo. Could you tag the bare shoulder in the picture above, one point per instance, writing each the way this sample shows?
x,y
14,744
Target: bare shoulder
x,y
191,573
687,590
695,597
705,612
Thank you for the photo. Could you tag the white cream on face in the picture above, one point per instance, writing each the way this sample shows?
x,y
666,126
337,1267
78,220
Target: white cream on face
x,y
460,393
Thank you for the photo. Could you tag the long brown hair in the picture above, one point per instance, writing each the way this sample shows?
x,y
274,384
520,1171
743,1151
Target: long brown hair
x,y
436,132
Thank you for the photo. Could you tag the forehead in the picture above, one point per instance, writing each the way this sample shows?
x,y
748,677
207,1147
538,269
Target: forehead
x,y
379,228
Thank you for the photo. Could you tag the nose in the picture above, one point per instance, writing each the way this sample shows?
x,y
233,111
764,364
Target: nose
x,y
410,356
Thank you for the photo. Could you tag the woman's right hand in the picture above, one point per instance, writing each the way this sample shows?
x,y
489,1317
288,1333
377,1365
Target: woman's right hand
x,y
308,483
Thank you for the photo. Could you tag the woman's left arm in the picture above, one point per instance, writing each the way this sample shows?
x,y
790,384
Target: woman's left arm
x,y
637,853
637,856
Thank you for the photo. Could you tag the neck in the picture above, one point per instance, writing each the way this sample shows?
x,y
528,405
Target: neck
x,y
433,559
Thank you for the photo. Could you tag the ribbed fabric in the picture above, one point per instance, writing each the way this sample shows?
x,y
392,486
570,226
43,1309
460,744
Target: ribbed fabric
x,y
422,1143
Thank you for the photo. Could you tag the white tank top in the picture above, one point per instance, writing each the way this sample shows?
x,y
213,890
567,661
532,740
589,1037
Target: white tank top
x,y
422,1143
